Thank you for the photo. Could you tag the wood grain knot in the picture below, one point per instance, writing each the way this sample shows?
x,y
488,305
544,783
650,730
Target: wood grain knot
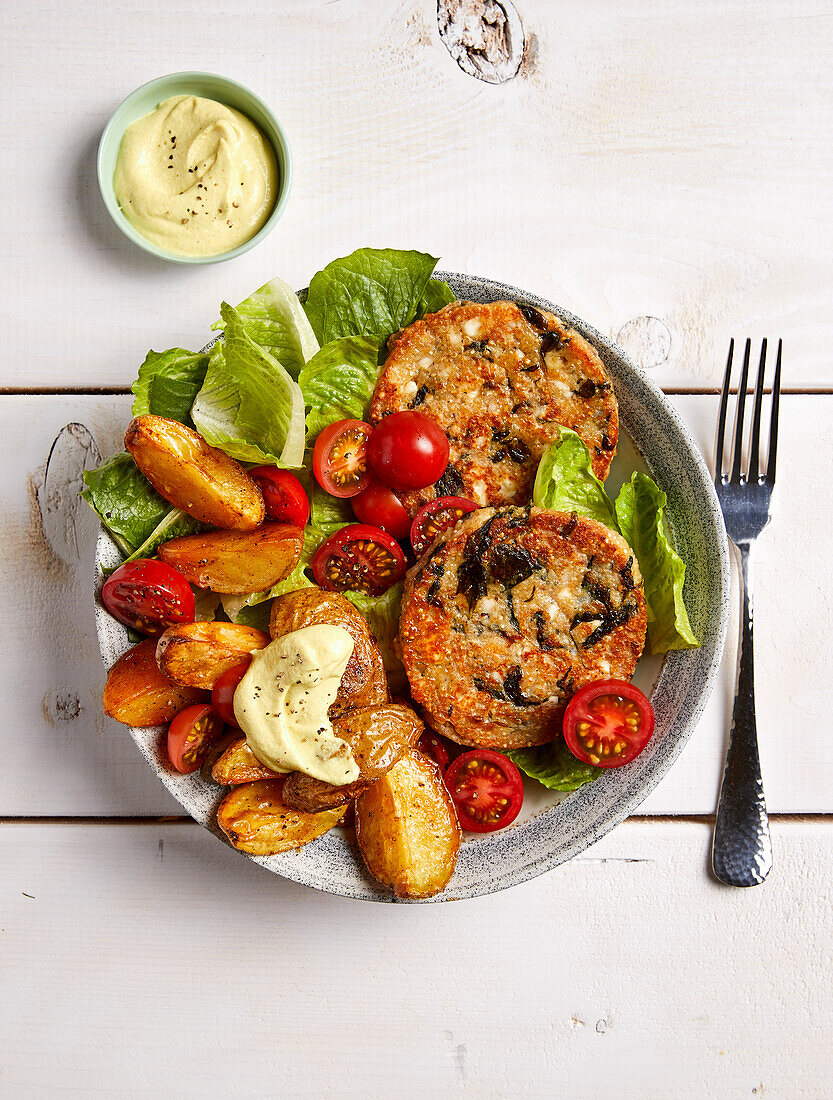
x,y
73,451
485,37
62,705
647,340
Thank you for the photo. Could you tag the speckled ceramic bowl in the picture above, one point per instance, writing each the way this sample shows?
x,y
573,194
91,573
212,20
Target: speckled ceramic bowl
x,y
554,828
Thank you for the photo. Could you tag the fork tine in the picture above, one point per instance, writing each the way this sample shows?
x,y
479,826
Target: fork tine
x,y
721,416
773,420
738,448
756,416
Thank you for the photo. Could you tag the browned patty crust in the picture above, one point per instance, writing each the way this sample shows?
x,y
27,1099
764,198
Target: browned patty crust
x,y
510,614
499,378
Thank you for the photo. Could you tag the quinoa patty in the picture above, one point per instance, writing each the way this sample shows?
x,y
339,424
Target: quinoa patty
x,y
512,612
499,378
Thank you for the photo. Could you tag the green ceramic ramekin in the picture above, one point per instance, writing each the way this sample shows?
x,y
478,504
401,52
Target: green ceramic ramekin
x,y
146,99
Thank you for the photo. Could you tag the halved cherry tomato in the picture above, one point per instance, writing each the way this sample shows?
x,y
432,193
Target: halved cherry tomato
x,y
486,788
608,723
222,694
190,736
437,516
380,506
148,595
408,450
339,458
359,558
283,495
434,746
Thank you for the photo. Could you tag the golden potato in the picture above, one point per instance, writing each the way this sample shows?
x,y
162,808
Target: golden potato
x,y
377,736
196,654
137,693
364,682
236,562
256,820
238,764
194,476
407,828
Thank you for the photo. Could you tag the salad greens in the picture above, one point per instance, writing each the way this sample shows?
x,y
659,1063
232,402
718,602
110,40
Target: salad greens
x,y
168,382
640,507
249,406
554,766
373,291
275,320
565,481
288,365
338,382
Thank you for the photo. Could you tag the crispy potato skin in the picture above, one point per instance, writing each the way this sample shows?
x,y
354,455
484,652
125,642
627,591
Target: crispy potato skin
x,y
256,820
194,476
238,764
364,683
407,828
137,693
378,737
196,654
236,562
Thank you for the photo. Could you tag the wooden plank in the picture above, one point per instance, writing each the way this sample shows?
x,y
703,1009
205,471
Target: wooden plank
x,y
623,189
61,756
151,960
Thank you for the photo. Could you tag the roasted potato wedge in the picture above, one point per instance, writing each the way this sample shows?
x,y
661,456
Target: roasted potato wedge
x,y
236,562
378,736
137,693
407,829
238,764
256,820
364,682
194,476
196,654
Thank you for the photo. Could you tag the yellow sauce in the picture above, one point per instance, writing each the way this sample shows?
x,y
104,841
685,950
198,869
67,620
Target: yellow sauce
x,y
195,177
282,701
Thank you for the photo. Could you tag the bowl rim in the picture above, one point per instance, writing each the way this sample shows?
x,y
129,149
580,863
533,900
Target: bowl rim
x,y
277,139
634,789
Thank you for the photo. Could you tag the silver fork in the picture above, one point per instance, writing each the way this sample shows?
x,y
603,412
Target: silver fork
x,y
742,850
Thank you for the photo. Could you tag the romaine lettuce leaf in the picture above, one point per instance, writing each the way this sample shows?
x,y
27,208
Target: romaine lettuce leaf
x,y
249,406
126,502
554,766
373,291
565,481
274,318
338,382
329,513
437,294
172,525
168,382
639,509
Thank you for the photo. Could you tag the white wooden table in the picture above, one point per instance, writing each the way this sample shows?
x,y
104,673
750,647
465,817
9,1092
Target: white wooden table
x,y
663,171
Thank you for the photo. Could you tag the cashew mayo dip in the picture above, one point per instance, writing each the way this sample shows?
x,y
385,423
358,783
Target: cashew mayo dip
x,y
282,701
195,177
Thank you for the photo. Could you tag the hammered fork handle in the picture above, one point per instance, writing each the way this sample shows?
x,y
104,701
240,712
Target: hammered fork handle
x,y
742,850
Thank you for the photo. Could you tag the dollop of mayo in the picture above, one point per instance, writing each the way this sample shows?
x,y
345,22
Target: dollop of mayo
x,y
195,177
282,701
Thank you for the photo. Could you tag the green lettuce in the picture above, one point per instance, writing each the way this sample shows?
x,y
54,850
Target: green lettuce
x,y
554,766
275,320
249,406
373,291
639,509
437,294
168,382
338,382
136,516
565,481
